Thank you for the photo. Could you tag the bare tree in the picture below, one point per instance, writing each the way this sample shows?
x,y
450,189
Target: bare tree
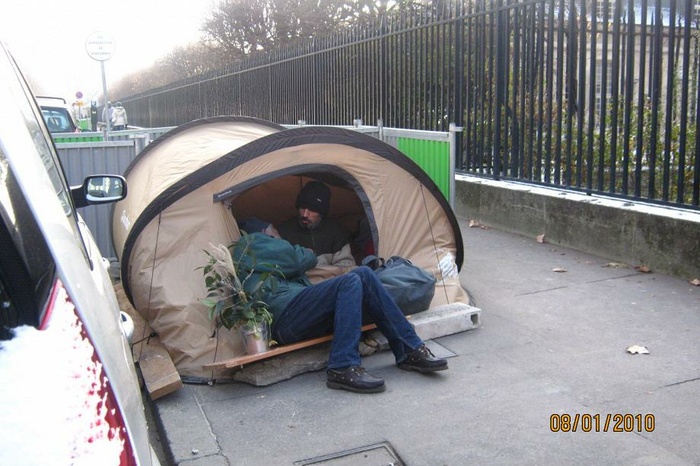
x,y
237,28
192,60
242,27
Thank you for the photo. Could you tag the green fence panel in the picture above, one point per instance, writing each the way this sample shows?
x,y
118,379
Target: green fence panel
x,y
76,137
433,157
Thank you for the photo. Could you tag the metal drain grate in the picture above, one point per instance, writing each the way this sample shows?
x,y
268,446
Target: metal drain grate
x,y
379,454
439,350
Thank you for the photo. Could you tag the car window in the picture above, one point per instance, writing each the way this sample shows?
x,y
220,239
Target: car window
x,y
58,120
32,121
27,268
60,186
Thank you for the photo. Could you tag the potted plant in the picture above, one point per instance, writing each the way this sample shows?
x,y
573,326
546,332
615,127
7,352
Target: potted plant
x,y
235,301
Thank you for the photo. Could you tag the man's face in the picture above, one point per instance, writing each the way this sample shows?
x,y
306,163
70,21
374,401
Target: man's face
x,y
308,219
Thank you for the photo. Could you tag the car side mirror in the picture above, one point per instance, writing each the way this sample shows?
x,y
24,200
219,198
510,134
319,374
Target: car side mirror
x,y
99,189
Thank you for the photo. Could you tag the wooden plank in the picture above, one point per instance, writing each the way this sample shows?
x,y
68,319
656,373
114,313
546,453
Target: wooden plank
x,y
248,358
157,369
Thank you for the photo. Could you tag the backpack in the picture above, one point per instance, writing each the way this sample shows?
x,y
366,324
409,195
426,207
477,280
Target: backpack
x,y
411,287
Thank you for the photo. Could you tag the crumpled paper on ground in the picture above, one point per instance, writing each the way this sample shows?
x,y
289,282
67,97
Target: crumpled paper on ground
x,y
637,349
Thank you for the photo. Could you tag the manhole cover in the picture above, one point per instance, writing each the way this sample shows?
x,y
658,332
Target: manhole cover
x,y
380,454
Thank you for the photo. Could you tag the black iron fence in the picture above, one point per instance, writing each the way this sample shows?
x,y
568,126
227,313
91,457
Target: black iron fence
x,y
596,96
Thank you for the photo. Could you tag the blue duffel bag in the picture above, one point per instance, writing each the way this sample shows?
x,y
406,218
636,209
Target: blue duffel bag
x,y
411,287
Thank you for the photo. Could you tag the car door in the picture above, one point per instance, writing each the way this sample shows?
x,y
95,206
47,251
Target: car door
x,y
69,392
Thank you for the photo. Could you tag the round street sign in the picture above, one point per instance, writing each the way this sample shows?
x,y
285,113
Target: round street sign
x,y
99,46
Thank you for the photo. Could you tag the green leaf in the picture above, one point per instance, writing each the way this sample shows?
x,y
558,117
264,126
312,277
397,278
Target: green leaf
x,y
208,302
232,302
219,307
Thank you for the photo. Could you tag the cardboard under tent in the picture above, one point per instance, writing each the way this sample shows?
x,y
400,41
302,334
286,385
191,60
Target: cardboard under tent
x,y
189,187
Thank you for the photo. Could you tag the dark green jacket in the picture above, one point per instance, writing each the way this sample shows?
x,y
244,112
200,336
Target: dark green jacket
x,y
261,253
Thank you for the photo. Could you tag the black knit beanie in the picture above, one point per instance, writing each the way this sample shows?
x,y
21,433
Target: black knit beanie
x,y
315,196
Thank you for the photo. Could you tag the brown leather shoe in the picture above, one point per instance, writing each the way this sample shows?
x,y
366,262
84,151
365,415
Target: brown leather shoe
x,y
423,360
354,379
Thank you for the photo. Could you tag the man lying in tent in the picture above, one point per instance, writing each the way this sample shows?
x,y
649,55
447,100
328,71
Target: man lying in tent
x,y
303,311
313,229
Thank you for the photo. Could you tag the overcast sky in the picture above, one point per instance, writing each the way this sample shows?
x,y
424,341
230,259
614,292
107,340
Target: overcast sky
x,y
47,38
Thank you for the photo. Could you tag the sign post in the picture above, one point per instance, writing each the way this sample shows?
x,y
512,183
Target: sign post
x,y
79,103
100,46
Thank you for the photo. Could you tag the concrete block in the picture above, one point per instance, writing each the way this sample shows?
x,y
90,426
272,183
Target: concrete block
x,y
446,320
284,366
437,322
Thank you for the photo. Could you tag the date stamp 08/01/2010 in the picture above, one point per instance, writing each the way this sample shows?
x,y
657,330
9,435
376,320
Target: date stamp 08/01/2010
x,y
615,422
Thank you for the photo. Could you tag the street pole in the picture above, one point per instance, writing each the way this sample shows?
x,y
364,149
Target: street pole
x,y
108,120
100,46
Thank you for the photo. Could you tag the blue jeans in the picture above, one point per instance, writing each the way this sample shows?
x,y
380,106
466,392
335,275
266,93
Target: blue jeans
x,y
336,306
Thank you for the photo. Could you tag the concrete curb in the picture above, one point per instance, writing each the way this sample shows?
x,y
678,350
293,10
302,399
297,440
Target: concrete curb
x,y
664,239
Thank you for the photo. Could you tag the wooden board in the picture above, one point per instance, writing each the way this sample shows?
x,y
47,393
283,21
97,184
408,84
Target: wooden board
x,y
157,368
248,358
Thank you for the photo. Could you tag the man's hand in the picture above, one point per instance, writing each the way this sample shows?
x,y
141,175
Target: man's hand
x,y
270,230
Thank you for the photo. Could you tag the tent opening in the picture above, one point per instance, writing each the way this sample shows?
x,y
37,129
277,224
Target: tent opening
x,y
273,201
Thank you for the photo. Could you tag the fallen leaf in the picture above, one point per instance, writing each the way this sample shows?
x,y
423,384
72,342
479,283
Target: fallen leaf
x,y
558,269
616,265
477,224
643,268
637,349
695,281
541,238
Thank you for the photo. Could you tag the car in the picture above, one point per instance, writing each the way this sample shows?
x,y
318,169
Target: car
x,y
57,115
69,392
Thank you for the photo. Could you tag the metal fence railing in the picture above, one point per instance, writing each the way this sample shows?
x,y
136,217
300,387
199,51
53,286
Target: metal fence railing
x,y
594,96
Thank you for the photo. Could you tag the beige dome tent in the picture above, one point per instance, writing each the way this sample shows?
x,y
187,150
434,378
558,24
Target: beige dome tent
x,y
188,189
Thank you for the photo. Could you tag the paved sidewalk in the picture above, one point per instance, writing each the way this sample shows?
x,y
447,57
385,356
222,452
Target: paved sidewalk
x,y
551,343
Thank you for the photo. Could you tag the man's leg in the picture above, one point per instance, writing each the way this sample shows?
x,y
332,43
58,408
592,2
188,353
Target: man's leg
x,y
409,350
332,306
384,312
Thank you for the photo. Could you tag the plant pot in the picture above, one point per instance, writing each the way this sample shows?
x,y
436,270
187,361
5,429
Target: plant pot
x,y
256,339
